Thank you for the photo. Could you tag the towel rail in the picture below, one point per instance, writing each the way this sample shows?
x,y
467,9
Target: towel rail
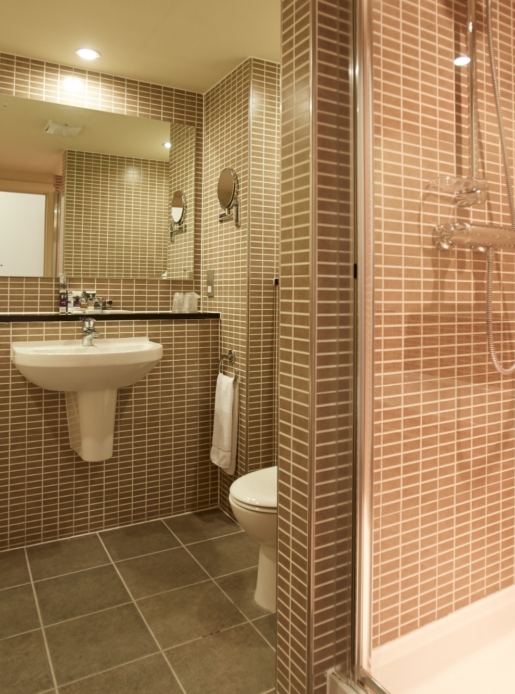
x,y
231,358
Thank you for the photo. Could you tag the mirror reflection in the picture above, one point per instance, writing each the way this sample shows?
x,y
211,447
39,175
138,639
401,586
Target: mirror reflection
x,y
92,192
227,188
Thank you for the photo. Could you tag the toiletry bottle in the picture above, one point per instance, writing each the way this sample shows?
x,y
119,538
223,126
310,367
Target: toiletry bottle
x,y
63,301
98,303
63,294
91,300
84,301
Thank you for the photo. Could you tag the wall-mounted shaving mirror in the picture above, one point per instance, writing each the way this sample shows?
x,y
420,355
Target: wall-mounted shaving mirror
x,y
228,196
178,208
105,182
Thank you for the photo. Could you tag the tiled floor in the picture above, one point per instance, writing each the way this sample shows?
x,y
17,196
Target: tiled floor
x,y
164,607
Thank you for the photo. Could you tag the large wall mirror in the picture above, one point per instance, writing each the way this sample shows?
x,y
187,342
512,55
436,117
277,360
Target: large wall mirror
x,y
89,193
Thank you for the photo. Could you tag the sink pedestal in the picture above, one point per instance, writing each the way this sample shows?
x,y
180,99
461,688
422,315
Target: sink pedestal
x,y
91,417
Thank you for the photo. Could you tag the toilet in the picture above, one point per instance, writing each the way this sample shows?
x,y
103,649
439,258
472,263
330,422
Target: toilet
x,y
253,499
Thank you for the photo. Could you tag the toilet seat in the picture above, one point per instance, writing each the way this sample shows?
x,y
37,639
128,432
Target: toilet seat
x,y
256,491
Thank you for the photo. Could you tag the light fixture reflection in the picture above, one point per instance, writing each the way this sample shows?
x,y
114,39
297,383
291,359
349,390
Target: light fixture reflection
x,y
88,54
168,145
73,85
462,60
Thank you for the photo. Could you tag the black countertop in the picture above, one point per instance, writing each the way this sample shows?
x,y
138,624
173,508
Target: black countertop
x,y
136,315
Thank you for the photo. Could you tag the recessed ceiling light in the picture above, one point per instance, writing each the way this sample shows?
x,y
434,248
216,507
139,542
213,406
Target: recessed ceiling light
x,y
88,54
461,60
168,145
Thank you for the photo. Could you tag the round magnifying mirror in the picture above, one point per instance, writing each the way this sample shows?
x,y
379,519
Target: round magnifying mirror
x,y
227,188
178,207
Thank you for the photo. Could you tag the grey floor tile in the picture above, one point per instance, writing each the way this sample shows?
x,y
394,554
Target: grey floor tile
x,y
268,627
24,667
226,554
13,568
77,594
240,587
148,676
97,642
156,573
233,661
65,556
203,525
18,611
136,540
189,613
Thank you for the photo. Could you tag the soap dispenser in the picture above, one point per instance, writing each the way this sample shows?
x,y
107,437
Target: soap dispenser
x,y
63,294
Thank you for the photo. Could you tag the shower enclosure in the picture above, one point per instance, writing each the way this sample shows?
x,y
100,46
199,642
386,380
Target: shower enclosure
x,y
436,455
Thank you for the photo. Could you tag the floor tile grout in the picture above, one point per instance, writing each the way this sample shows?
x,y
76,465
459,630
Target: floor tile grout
x,y
17,585
146,623
88,614
132,600
47,649
21,548
229,598
71,573
110,669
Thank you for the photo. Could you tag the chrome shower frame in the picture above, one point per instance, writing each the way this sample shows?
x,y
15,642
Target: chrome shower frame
x,y
364,225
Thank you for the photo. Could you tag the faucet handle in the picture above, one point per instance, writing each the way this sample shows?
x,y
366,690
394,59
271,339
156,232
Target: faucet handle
x,y
89,323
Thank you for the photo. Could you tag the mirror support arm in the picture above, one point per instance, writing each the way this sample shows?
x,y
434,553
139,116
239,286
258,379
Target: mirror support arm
x,y
228,214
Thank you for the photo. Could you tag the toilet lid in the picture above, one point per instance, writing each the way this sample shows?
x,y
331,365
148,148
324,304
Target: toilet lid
x,y
258,488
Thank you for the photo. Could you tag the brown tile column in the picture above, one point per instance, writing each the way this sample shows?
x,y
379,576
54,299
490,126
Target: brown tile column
x,y
316,346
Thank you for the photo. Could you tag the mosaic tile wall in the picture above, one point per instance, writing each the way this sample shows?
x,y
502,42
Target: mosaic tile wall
x,y
445,435
116,212
242,132
158,468
316,347
182,177
35,79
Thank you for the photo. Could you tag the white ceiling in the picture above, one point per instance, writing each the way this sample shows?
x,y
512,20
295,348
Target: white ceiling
x,y
187,44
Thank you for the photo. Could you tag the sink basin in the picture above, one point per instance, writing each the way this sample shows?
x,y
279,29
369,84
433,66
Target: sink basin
x,y
68,366
90,377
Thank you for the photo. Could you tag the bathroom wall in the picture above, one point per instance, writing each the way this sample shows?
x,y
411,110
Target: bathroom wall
x,y
316,347
242,132
117,215
160,466
183,177
445,437
34,79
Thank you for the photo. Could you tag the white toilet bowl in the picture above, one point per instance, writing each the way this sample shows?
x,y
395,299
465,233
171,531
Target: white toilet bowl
x,y
253,499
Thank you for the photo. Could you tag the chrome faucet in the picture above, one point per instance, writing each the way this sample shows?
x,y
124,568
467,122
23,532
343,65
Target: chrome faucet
x,y
88,332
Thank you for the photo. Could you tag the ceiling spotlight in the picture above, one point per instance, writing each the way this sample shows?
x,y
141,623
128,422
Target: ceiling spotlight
x,y
88,54
461,60
168,145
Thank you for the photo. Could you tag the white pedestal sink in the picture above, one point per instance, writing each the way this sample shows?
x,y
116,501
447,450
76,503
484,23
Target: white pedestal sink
x,y
90,377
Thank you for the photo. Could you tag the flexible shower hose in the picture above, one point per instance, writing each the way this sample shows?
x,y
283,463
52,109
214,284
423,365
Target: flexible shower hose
x,y
509,189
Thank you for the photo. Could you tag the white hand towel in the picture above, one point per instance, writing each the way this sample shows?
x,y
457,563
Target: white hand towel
x,y
225,429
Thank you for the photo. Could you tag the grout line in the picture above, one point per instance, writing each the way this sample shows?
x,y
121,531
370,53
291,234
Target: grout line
x,y
18,585
87,614
21,633
173,590
110,669
145,621
104,530
51,665
71,573
200,638
261,634
229,598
